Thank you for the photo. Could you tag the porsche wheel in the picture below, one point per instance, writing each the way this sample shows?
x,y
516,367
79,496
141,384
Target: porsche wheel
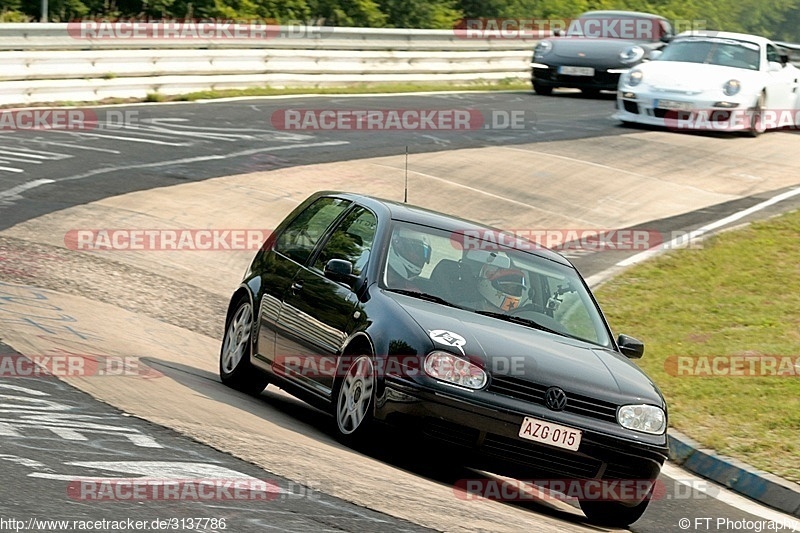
x,y
544,90
757,125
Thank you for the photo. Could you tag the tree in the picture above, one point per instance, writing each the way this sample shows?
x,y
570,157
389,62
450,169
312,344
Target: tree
x,y
440,14
348,13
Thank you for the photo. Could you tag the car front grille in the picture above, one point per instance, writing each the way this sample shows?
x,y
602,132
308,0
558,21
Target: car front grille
x,y
450,432
631,107
547,458
534,393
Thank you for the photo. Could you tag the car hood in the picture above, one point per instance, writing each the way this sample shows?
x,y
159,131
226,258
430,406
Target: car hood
x,y
543,358
587,52
693,77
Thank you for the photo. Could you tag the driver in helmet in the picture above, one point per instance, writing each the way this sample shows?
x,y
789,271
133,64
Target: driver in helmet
x,y
502,288
408,254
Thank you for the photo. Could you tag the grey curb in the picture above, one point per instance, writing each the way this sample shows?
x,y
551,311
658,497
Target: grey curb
x,y
740,477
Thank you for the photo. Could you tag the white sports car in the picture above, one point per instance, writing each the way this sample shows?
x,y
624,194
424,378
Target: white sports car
x,y
718,81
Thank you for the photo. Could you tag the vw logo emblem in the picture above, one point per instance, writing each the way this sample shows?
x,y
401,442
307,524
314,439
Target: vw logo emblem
x,y
555,399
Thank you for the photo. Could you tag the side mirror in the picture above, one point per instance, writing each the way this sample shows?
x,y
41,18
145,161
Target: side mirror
x,y
655,54
340,271
665,38
630,347
784,59
557,32
774,66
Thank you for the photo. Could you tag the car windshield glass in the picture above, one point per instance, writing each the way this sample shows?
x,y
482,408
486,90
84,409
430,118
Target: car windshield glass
x,y
724,52
472,271
615,27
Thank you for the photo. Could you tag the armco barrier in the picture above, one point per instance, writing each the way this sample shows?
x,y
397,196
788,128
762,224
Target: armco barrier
x,y
48,62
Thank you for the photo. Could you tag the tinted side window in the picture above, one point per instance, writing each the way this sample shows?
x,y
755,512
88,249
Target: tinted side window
x,y
351,240
301,236
772,54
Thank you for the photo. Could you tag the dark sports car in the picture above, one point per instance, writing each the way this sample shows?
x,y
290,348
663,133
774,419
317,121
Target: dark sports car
x,y
592,52
380,311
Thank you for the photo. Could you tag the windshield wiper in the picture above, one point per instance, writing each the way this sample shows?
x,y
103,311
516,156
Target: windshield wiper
x,y
523,321
425,296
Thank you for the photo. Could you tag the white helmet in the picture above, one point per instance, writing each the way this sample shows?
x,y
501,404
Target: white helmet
x,y
502,287
408,254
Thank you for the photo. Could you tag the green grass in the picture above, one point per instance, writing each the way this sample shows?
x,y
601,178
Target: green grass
x,y
738,295
386,88
505,85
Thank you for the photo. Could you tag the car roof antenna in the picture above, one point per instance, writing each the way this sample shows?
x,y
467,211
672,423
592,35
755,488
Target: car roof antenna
x,y
405,188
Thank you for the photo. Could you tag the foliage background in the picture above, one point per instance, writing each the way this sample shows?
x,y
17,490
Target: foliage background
x,y
778,19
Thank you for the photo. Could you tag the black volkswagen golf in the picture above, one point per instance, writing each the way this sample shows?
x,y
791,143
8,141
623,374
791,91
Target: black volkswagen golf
x,y
378,311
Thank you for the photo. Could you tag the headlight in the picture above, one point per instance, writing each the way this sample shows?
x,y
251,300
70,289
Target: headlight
x,y
644,418
634,77
450,368
731,87
631,54
542,48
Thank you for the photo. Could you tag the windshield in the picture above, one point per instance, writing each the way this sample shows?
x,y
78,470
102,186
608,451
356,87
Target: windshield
x,y
725,52
479,275
615,27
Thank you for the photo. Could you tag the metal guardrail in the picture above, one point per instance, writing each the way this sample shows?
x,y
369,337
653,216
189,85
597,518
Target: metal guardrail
x,y
59,62
51,62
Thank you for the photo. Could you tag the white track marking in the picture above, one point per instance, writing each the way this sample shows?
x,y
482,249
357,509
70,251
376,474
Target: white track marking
x,y
486,193
724,495
15,191
11,169
121,138
593,164
26,154
79,147
6,159
684,239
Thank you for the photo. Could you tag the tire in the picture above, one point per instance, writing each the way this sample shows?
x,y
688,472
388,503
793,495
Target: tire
x,y
354,400
235,369
544,90
614,514
757,118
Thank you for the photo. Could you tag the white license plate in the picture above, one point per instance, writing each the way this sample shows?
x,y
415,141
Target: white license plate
x,y
549,433
673,105
576,71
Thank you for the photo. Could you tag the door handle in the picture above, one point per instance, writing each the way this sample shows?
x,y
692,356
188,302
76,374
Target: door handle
x,y
297,286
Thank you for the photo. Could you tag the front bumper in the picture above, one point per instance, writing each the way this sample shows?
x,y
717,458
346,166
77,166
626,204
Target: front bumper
x,y
603,79
685,112
490,435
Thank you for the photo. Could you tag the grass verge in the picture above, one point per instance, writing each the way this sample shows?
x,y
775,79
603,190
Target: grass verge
x,y
386,88
738,295
504,85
